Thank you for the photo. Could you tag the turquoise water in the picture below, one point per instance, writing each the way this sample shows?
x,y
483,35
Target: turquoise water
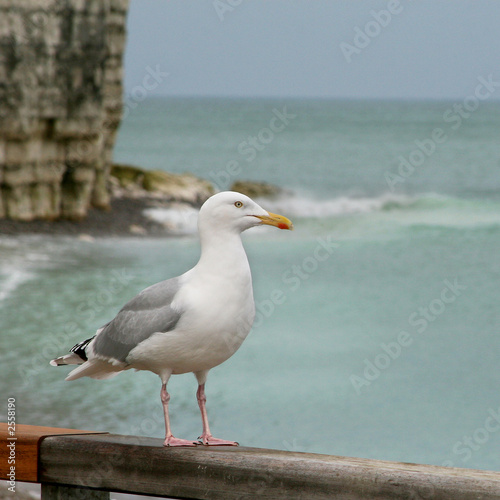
x,y
384,341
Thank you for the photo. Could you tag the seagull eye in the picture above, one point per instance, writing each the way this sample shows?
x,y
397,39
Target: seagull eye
x,y
238,204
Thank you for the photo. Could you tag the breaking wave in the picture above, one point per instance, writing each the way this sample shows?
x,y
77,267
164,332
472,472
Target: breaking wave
x,y
429,209
303,206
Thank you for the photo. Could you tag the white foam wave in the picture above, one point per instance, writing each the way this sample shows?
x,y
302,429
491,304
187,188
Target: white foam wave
x,y
21,258
11,279
178,218
301,206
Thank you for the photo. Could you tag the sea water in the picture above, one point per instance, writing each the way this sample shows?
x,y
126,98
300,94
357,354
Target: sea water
x,y
377,319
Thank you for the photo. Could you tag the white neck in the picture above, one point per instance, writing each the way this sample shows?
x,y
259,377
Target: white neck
x,y
223,254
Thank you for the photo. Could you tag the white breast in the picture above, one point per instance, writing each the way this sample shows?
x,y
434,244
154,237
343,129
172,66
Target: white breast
x,y
218,312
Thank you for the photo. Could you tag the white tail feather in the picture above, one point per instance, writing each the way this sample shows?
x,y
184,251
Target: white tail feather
x,y
95,368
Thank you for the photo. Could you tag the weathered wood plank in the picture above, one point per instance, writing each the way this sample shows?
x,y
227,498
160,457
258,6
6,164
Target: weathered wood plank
x,y
143,466
25,439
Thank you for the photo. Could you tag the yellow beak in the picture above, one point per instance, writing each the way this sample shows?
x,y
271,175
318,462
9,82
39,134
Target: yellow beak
x,y
276,220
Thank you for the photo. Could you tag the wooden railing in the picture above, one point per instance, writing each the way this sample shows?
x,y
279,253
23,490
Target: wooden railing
x,y
73,464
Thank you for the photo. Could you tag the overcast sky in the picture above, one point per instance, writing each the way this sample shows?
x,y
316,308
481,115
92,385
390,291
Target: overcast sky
x,y
313,48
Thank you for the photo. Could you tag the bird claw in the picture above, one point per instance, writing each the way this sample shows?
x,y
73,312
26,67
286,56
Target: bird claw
x,y
173,441
213,441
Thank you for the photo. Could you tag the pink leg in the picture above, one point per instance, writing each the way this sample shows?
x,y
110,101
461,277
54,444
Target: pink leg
x,y
169,439
206,437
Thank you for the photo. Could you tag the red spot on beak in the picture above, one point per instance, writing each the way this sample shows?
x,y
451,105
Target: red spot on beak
x,y
282,226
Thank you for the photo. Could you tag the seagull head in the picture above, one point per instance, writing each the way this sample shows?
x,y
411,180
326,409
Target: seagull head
x,y
237,212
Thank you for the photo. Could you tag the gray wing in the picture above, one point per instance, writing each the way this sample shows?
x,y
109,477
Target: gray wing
x,y
147,313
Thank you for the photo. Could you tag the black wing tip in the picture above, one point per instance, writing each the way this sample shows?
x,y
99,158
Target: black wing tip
x,y
79,349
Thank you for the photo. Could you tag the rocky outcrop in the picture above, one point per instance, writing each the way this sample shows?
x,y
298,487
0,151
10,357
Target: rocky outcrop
x,y
60,104
134,182
255,189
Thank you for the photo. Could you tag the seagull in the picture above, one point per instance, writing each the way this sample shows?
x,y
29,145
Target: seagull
x,y
190,323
